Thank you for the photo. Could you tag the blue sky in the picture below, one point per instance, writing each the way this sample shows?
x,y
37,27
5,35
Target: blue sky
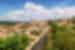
x,y
7,6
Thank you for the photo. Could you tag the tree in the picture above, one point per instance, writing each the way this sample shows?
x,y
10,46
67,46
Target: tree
x,y
73,19
16,42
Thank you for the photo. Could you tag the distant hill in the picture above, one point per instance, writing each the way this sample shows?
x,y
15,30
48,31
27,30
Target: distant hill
x,y
7,22
11,22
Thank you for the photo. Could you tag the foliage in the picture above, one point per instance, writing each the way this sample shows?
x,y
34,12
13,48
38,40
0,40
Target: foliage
x,y
63,36
35,32
73,19
16,42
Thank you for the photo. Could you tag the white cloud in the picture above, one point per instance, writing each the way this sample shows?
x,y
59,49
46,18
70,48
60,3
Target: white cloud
x,y
38,12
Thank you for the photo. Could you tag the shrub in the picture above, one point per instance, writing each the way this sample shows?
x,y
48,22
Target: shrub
x,y
16,42
34,32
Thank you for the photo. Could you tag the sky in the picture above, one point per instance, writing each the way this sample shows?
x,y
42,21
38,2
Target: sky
x,y
25,10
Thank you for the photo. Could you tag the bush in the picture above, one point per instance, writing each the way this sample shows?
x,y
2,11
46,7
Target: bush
x,y
16,42
34,32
